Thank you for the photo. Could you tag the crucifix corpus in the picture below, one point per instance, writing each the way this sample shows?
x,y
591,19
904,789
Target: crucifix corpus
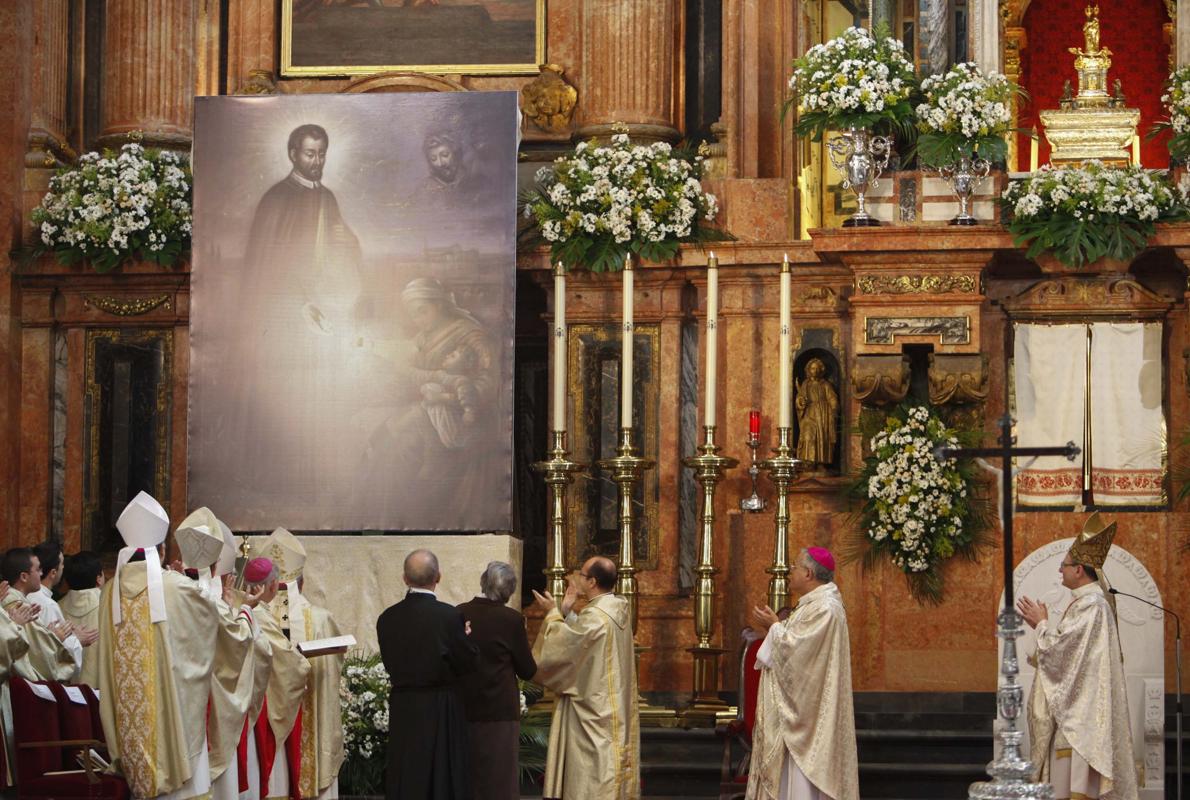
x,y
1011,769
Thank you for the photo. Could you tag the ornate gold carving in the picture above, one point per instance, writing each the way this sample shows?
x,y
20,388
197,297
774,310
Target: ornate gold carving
x,y
715,151
956,378
916,284
880,380
885,330
126,308
1095,295
817,296
259,81
548,100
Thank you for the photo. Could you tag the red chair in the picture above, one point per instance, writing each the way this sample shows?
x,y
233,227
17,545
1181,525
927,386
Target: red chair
x,y
733,780
76,720
41,772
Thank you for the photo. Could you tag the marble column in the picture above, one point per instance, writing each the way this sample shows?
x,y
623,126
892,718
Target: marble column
x,y
51,82
250,41
148,71
631,62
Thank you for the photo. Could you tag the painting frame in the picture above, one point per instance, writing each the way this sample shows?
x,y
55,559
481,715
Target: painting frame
x,y
291,70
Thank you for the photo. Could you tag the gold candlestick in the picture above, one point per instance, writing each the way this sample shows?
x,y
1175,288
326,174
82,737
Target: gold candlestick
x,y
626,469
559,473
706,704
782,468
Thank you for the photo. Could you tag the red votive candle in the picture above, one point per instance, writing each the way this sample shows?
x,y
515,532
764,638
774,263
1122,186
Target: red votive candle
x,y
754,425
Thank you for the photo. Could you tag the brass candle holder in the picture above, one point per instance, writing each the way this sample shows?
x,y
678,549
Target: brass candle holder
x,y
782,468
559,472
706,704
626,469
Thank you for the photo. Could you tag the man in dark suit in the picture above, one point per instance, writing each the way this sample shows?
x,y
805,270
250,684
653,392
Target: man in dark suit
x,y
424,646
490,694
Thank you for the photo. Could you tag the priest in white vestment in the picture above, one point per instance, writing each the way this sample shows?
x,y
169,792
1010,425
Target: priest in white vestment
x,y
588,660
157,634
1080,736
80,605
50,637
803,744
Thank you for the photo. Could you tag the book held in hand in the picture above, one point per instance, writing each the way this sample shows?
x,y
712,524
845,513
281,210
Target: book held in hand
x,y
326,647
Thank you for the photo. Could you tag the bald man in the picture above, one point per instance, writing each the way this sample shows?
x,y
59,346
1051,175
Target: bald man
x,y
424,646
587,659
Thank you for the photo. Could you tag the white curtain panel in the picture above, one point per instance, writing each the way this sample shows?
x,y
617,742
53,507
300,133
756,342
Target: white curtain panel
x,y
1128,441
1050,378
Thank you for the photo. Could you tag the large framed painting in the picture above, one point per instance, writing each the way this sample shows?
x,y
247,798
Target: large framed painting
x,y
352,311
363,37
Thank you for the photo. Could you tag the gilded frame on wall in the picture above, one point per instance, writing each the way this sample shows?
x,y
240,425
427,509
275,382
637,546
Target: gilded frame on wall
x,y
93,411
585,339
302,67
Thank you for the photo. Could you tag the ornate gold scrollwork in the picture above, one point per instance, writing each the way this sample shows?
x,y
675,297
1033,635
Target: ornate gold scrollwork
x,y
548,101
916,284
957,378
126,308
880,380
259,82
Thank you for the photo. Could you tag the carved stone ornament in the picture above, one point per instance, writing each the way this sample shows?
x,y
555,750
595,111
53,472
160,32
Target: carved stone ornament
x,y
916,284
885,330
958,378
121,307
880,380
1076,296
259,81
548,101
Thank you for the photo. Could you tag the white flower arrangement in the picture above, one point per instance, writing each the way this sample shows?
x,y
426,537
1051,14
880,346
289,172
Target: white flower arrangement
x,y
604,202
856,80
363,691
916,510
112,207
964,111
1176,99
1090,211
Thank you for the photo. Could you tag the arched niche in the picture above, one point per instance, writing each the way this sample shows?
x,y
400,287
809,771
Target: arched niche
x,y
403,81
833,376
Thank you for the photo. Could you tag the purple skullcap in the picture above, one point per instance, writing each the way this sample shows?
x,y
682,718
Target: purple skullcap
x,y
258,569
822,556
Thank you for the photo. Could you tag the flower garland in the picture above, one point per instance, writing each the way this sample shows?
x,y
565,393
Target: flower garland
x,y
965,112
112,207
917,511
856,80
1091,211
1177,102
606,201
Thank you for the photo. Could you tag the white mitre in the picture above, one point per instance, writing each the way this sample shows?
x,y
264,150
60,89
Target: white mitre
x,y
200,539
143,525
286,551
226,564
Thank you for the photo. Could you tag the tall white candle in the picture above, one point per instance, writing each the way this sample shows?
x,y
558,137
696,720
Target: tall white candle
x,y
785,419
626,349
559,373
712,340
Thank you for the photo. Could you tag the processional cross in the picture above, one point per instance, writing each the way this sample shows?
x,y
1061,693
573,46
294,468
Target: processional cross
x,y
1011,773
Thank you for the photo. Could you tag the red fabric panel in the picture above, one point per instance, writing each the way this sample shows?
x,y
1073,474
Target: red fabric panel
x,y
33,720
1131,29
266,747
74,722
96,720
242,758
68,787
751,686
293,755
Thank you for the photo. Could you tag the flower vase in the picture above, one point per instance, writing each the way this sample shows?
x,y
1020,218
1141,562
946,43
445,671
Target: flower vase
x,y
964,176
861,157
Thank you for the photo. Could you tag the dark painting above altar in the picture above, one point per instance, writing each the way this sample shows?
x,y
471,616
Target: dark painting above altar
x,y
351,318
438,36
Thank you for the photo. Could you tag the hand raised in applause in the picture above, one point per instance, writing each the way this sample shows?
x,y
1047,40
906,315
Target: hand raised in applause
x,y
543,602
763,618
571,595
177,566
61,629
467,627
87,636
23,613
1033,611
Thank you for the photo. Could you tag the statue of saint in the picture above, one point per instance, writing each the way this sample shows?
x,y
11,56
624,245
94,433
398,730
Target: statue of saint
x,y
817,411
1092,62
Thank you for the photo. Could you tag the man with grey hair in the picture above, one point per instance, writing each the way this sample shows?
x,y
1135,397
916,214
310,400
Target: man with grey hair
x,y
803,743
424,644
490,694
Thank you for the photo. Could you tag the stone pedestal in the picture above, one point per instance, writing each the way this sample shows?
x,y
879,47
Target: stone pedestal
x,y
148,71
630,64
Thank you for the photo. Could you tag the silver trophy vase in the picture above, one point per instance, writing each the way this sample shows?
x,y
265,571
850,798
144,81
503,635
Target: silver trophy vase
x,y
861,156
964,177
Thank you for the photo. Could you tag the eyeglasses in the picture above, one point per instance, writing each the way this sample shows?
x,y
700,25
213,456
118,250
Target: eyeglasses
x,y
1067,564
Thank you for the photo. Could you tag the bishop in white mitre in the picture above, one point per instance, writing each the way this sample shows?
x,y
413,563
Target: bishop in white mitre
x,y
1080,737
157,648
321,724
803,743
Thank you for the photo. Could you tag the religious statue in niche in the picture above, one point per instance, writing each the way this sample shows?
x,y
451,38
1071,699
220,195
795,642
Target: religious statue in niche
x,y
817,407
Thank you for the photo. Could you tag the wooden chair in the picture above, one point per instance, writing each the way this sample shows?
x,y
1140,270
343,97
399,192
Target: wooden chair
x,y
734,779
44,758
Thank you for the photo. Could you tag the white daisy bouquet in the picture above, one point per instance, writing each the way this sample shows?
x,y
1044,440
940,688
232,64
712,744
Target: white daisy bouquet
x,y
606,201
1177,104
1086,212
111,207
856,80
916,510
964,112
363,690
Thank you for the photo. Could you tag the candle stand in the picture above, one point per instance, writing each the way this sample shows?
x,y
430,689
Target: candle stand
x,y
782,468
